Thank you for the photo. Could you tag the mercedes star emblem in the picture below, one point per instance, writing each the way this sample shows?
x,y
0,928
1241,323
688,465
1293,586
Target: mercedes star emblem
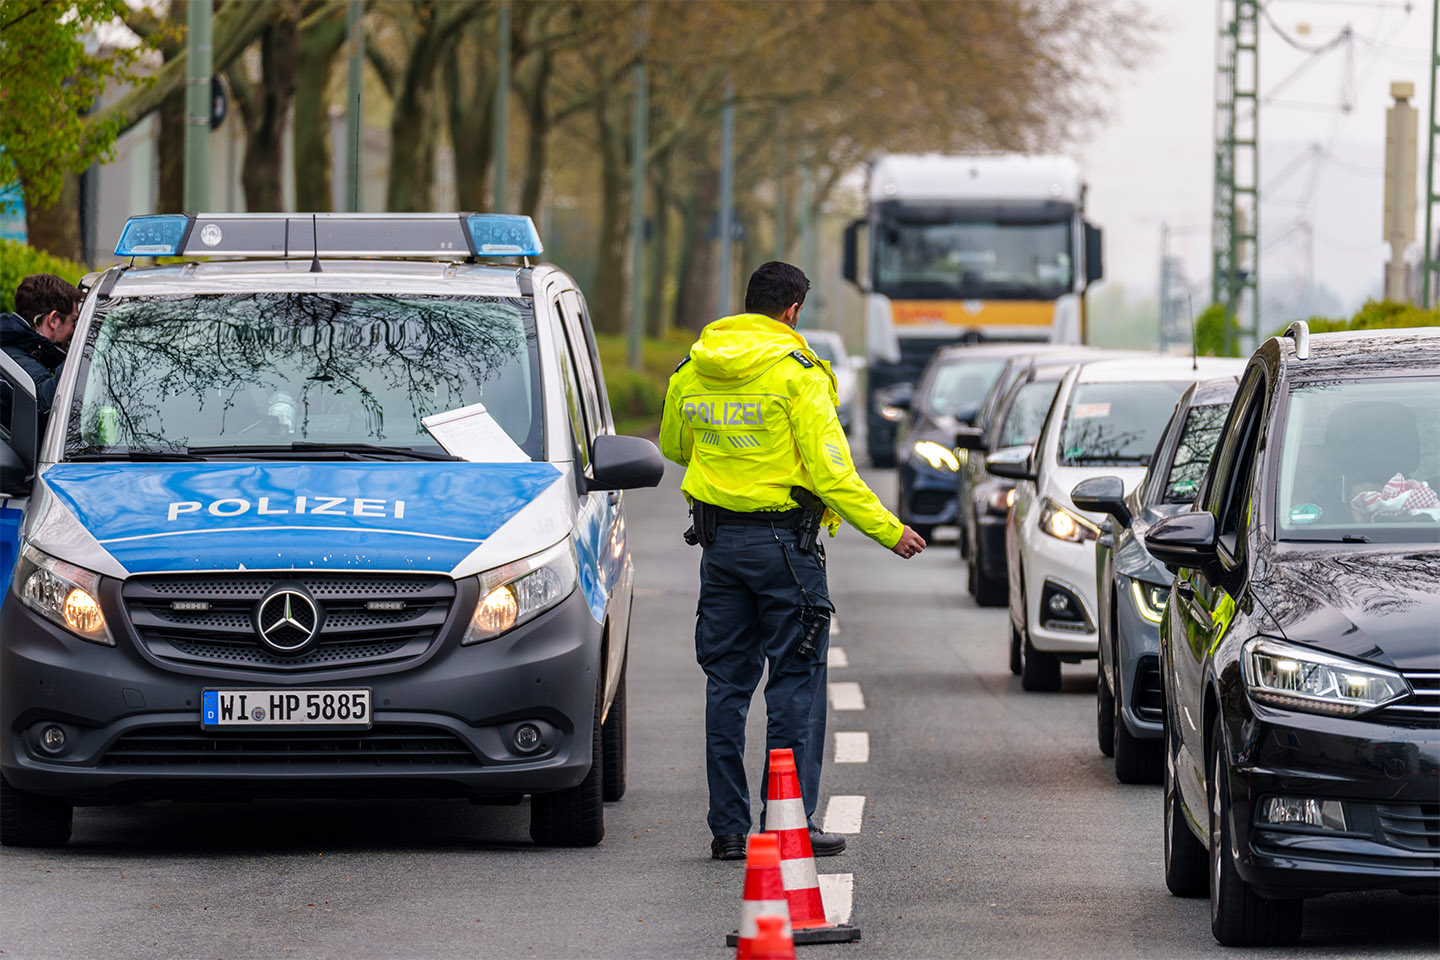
x,y
287,620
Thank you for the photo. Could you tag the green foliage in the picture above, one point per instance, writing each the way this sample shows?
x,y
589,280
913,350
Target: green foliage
x,y
1210,332
18,261
637,397
49,79
1375,315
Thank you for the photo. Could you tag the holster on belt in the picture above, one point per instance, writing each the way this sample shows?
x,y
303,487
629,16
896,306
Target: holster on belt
x,y
807,531
703,520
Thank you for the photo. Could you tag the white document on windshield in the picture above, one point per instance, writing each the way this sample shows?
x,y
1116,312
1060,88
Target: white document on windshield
x,y
470,433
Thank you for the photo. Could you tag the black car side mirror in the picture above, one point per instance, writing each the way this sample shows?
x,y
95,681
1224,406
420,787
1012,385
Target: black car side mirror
x,y
1012,463
1102,495
1184,540
894,401
970,438
624,463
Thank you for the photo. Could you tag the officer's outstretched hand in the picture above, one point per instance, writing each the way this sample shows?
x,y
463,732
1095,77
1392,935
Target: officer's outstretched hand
x,y
910,544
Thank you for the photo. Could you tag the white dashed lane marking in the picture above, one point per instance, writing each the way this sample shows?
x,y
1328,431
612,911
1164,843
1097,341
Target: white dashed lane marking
x,y
843,814
846,695
834,626
837,890
837,658
852,747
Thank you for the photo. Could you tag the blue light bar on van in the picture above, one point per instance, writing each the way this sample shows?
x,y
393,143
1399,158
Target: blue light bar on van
x,y
447,236
504,235
157,236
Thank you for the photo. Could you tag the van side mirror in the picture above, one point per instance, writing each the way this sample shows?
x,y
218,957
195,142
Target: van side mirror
x,y
624,463
1184,540
1094,254
970,438
851,267
1102,495
1012,463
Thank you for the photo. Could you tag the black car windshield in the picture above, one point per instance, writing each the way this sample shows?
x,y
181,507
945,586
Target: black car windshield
x,y
283,371
958,388
1193,452
1361,461
1116,423
1027,414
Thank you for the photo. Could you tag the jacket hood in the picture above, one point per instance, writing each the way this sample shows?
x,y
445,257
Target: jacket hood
x,y
1378,605
18,339
733,350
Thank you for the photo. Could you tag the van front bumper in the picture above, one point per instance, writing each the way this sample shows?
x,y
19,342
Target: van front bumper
x,y
443,722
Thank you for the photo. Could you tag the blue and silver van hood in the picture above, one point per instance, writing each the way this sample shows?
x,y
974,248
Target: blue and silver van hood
x,y
453,518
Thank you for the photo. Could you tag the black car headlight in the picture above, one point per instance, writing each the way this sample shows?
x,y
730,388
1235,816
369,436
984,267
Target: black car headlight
x,y
1063,524
1302,678
521,591
62,593
1149,600
999,502
939,457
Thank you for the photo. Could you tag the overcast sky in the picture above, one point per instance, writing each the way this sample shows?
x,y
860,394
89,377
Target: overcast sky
x,y
1152,163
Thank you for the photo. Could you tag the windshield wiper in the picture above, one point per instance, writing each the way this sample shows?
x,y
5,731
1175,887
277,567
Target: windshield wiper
x,y
344,451
149,456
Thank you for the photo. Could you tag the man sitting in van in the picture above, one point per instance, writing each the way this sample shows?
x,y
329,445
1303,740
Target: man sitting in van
x,y
36,334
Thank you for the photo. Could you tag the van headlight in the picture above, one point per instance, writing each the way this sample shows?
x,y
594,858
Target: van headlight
x,y
1300,678
520,591
1064,525
62,593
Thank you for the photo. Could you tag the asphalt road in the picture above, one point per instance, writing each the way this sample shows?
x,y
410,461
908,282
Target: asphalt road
x,y
990,824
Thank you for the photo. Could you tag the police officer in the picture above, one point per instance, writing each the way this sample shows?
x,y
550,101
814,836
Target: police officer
x,y
750,414
36,335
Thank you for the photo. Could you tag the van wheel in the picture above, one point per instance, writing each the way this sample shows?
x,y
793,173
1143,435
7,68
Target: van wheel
x,y
1104,712
575,817
612,736
1039,671
1184,853
33,820
1239,917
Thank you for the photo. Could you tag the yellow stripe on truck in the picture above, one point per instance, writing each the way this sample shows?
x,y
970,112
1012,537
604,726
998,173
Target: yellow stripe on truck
x,y
973,313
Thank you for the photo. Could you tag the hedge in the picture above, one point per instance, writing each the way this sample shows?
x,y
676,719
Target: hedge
x,y
19,260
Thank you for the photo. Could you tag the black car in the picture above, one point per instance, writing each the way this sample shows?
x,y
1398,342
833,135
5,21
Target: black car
x,y
984,499
948,395
1131,585
1300,650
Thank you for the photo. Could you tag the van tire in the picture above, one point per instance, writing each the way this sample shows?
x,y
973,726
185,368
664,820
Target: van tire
x,y
575,817
33,820
612,735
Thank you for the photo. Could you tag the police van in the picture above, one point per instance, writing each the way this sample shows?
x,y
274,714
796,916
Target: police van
x,y
336,512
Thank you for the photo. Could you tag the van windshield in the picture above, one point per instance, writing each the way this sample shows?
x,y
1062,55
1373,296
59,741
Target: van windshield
x,y
276,369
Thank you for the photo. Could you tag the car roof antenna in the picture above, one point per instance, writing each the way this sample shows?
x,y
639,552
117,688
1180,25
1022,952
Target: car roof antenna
x,y
1190,306
315,242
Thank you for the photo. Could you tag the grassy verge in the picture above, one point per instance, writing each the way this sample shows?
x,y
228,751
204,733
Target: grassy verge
x,y
637,396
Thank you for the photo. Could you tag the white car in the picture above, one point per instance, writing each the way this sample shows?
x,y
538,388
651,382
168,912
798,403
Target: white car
x,y
1106,419
830,347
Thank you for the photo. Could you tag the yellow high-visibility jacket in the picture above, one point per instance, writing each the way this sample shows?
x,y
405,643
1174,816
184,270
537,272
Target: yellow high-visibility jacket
x,y
751,413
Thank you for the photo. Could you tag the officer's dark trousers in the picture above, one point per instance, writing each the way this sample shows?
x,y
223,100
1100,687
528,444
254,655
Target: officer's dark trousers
x,y
748,618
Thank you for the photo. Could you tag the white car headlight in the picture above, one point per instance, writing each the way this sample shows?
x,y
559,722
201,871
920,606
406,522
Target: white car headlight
x,y
1301,678
937,456
1064,525
63,594
1149,600
520,591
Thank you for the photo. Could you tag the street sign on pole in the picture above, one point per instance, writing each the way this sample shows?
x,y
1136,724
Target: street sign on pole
x,y
198,106
355,37
502,104
727,201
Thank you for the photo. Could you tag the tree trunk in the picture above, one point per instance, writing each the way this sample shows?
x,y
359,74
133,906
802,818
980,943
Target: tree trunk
x,y
695,300
320,40
471,119
537,133
170,151
266,108
656,322
55,229
608,303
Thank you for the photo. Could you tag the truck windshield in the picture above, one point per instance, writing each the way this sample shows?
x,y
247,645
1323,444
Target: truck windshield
x,y
1116,423
280,371
960,255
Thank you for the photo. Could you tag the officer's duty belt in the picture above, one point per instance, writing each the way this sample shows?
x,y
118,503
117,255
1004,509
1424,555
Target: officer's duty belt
x,y
758,518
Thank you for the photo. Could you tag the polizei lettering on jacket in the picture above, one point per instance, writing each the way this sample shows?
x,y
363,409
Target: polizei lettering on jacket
x,y
724,413
307,505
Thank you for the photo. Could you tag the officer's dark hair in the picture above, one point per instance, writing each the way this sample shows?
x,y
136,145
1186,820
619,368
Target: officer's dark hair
x,y
40,293
774,286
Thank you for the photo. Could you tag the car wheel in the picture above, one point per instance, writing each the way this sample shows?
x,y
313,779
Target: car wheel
x,y
32,820
575,817
1239,917
1185,855
612,736
1136,761
1039,671
986,592
1104,712
1016,656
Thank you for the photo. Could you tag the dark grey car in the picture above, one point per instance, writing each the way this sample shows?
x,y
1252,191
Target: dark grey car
x,y
1132,586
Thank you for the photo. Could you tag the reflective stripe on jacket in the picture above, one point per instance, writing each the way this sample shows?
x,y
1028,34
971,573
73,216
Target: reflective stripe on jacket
x,y
751,413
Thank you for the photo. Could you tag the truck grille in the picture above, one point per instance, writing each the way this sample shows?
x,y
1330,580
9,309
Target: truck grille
x,y
1422,708
386,745
222,633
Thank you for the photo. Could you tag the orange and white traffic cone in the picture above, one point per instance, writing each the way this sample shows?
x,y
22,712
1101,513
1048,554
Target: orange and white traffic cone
x,y
772,940
764,896
785,817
